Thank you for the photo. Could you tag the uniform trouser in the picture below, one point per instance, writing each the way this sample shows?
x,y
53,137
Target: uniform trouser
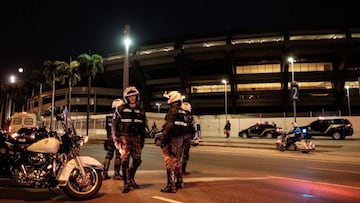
x,y
171,153
186,151
130,148
111,149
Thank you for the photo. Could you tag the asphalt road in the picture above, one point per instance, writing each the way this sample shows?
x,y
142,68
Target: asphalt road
x,y
225,174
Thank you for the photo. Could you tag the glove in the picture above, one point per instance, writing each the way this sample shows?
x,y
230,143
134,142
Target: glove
x,y
116,142
163,140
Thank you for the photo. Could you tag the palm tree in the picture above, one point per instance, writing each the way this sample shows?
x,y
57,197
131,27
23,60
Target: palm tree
x,y
4,91
89,67
73,76
54,72
37,79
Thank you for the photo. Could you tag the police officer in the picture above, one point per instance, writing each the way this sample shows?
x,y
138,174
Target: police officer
x,y
189,134
294,135
131,122
172,140
109,145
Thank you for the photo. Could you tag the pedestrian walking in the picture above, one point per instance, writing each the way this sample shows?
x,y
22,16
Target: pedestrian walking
x,y
227,129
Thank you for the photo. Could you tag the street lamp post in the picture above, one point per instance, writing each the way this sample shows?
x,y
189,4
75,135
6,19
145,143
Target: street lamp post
x,y
158,107
291,60
348,99
225,98
126,59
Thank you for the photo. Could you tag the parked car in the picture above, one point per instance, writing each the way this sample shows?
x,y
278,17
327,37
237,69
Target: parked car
x,y
26,136
261,130
337,128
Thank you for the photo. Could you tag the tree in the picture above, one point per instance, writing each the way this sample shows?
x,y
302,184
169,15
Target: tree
x,y
73,75
4,90
89,67
37,79
54,72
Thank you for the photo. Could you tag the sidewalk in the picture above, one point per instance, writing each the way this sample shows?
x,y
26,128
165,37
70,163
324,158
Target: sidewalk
x,y
349,146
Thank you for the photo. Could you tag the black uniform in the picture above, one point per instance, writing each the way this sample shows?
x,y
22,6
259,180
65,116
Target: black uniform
x,y
172,144
109,146
131,127
189,134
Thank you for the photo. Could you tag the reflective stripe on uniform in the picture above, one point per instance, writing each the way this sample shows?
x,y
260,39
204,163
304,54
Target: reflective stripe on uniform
x,y
130,110
124,120
180,123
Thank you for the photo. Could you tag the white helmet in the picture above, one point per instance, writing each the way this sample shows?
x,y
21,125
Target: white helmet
x,y
186,106
173,96
116,103
130,91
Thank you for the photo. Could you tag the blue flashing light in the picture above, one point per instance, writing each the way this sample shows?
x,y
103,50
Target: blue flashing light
x,y
308,195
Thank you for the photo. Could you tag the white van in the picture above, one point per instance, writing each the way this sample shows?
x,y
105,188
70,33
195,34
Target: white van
x,y
22,120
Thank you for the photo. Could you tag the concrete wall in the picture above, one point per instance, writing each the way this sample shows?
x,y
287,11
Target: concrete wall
x,y
211,125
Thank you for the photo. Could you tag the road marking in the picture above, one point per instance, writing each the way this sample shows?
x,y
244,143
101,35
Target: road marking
x,y
336,170
317,182
208,179
166,199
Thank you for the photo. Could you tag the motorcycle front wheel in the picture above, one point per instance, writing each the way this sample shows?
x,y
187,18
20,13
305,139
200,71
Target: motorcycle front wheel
x,y
83,187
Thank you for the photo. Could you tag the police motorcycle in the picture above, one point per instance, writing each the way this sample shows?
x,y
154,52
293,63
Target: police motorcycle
x,y
53,162
302,142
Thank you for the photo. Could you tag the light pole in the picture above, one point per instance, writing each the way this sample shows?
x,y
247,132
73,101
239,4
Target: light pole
x,y
225,98
291,60
126,59
158,107
348,99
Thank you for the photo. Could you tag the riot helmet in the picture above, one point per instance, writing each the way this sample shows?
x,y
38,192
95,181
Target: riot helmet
x,y
130,91
173,96
186,106
116,103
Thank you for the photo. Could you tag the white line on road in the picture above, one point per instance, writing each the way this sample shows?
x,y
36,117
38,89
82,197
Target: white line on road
x,y
336,170
321,183
166,199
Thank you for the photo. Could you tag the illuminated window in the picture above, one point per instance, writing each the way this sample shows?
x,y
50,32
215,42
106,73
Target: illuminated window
x,y
210,88
262,68
352,84
355,35
318,36
257,40
311,67
258,86
314,85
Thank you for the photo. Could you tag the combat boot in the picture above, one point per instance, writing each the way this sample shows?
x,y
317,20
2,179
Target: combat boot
x,y
117,166
117,176
184,169
179,179
170,187
126,187
105,175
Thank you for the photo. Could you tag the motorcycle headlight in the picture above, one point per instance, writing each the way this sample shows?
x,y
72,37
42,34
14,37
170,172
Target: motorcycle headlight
x,y
86,139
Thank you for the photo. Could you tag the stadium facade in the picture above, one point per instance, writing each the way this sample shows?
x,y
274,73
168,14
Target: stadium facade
x,y
257,70
255,65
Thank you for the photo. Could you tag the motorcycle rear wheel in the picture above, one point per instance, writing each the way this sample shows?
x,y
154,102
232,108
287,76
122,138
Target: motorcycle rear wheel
x,y
83,187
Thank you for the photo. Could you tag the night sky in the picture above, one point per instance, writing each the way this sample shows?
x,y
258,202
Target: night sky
x,y
36,30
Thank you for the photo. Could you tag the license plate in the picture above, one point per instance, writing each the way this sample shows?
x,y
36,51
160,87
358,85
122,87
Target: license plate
x,y
22,140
